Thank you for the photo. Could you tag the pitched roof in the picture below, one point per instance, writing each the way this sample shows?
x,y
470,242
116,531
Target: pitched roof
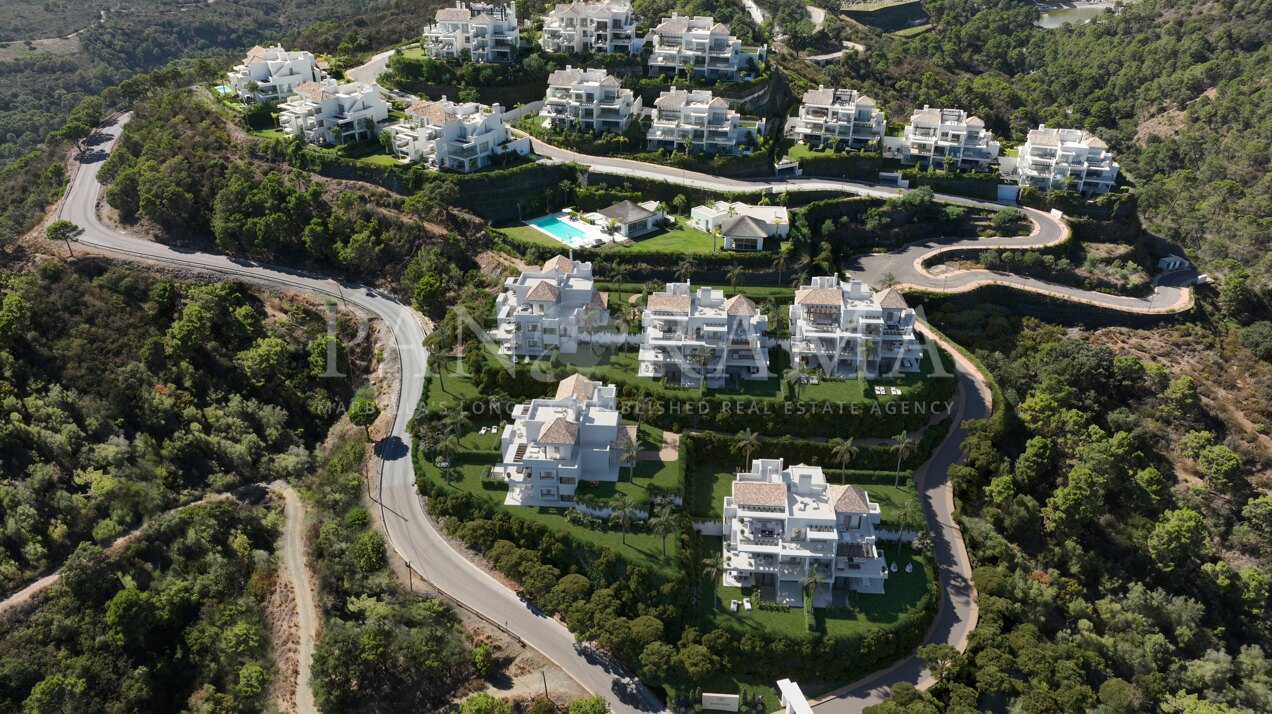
x,y
1095,142
1042,137
560,432
819,296
744,227
311,90
740,305
544,290
975,121
865,101
850,499
720,27
718,102
626,212
892,299
821,95
626,435
748,493
575,385
600,300
672,99
659,302
257,52
560,263
428,111
453,14
673,24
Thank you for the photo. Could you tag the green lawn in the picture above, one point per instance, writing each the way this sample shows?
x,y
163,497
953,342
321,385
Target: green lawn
x,y
913,31
531,234
902,593
449,389
274,133
680,238
621,368
369,152
707,487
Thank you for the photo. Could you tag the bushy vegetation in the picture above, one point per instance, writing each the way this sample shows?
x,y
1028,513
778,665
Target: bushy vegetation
x,y
127,395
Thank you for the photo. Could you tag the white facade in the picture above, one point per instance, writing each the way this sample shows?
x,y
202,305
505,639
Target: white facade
x,y
272,74
487,31
329,113
543,310
584,27
701,47
592,98
783,525
452,135
844,327
743,227
705,122
679,322
1066,158
935,134
554,443
629,219
846,115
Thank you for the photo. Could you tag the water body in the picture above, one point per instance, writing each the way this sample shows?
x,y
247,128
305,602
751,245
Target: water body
x,y
1052,19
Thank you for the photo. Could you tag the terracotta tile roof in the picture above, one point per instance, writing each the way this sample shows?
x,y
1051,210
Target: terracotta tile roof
x,y
560,263
1095,143
1043,138
673,24
975,121
672,99
256,53
819,296
544,290
865,101
453,14
626,435
576,385
740,305
659,302
432,112
748,493
892,299
718,102
311,90
850,499
600,300
720,27
821,95
560,432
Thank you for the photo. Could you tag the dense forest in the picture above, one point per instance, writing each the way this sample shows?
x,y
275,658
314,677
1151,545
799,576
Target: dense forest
x,y
1119,528
127,395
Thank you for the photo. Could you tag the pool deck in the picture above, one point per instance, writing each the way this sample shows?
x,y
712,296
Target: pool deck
x,y
591,236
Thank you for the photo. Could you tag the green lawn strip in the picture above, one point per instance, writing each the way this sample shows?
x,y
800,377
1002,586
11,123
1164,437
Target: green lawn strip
x,y
533,235
448,388
648,473
621,368
708,485
756,292
751,684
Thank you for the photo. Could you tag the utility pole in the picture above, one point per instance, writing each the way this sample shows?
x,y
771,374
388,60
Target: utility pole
x,y
545,685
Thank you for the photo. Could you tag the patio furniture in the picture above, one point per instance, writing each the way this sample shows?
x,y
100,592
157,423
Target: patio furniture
x,y
909,567
746,603
879,390
896,391
733,606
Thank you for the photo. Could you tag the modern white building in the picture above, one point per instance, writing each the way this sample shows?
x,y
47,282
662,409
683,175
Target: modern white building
x,y
486,31
462,136
829,115
1066,158
584,27
590,99
701,47
553,444
935,135
783,526
544,310
630,219
743,227
329,113
680,325
272,74
844,328
705,123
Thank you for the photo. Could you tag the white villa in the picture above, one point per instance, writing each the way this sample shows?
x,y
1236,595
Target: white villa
x,y
553,444
543,310
697,118
590,97
271,74
783,525
679,324
837,114
583,27
743,227
329,113
702,47
452,135
1066,158
935,134
631,219
843,327
487,31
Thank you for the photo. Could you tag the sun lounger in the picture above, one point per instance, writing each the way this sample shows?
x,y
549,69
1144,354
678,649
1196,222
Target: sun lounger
x,y
896,391
746,602
733,606
880,390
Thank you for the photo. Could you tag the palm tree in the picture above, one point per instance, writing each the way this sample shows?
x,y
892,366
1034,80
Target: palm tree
x,y
736,275
629,451
448,447
809,581
902,446
798,279
624,509
909,511
701,358
711,568
747,441
663,523
843,451
458,421
619,275
783,259
448,473
685,270
794,377
436,365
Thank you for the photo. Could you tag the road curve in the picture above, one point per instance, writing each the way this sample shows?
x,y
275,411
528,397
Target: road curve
x,y
410,532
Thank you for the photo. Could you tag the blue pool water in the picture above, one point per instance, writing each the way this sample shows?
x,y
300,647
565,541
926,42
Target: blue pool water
x,y
222,89
555,227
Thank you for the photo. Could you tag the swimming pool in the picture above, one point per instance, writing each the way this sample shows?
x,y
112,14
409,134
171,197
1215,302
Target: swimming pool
x,y
562,231
222,89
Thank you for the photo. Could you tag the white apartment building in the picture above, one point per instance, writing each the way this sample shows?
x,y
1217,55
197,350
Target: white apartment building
x,y
933,135
1060,158
462,136
704,122
592,98
272,74
701,47
544,310
681,324
553,444
782,525
844,327
487,31
585,27
329,113
743,227
846,115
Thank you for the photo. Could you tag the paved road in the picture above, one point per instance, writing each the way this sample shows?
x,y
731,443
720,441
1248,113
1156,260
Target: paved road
x,y
410,533
296,570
